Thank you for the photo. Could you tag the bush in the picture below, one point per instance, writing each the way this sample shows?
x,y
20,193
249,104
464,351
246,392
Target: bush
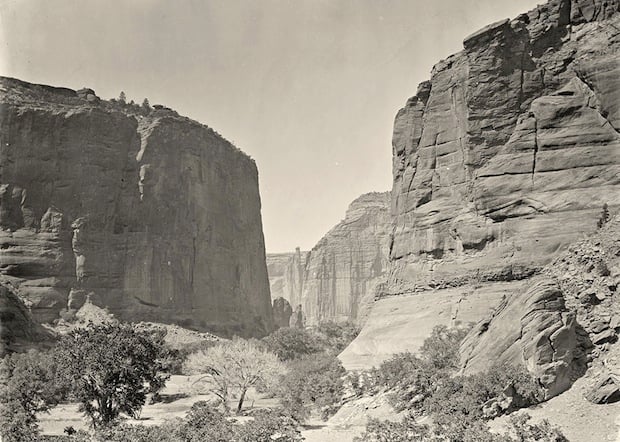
x,y
291,343
441,348
337,336
313,383
269,426
206,423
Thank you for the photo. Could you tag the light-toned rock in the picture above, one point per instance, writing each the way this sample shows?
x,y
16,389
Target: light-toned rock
x,y
286,275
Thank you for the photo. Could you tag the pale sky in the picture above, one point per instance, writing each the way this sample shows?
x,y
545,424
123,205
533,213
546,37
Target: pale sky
x,y
308,88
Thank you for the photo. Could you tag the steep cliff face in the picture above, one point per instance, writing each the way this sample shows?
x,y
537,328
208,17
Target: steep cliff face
x,y
510,150
286,275
503,158
346,265
156,215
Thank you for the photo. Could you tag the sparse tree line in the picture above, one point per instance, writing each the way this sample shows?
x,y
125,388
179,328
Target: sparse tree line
x,y
142,109
112,369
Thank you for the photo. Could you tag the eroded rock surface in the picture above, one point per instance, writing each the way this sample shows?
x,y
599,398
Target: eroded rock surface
x,y
511,149
286,275
348,263
155,215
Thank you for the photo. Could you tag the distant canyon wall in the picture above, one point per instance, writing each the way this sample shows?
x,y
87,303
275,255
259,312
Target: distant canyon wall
x,y
337,279
151,214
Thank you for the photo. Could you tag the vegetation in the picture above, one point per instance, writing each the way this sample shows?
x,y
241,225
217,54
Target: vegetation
x,y
604,218
235,367
27,387
313,383
111,368
291,343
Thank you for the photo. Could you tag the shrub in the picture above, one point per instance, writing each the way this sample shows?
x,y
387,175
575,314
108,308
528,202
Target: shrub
x,y
206,423
269,426
110,368
337,336
441,348
290,343
313,383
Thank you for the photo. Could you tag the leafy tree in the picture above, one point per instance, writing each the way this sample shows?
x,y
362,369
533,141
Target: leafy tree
x,y
146,107
313,382
290,343
206,423
122,98
235,366
604,218
111,368
27,387
337,336
441,348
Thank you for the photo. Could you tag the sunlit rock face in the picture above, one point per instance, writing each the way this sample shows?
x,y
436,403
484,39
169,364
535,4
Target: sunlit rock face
x,y
286,275
345,267
510,150
503,158
157,216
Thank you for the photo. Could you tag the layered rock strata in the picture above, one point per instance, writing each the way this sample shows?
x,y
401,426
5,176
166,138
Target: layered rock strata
x,y
286,275
346,265
154,215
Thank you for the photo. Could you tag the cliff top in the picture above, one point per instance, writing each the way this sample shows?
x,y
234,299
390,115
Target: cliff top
x,y
40,96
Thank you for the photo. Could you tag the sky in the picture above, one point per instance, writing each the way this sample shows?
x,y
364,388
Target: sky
x,y
308,88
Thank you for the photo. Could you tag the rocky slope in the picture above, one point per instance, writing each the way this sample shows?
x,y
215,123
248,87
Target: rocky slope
x,y
345,266
503,158
153,215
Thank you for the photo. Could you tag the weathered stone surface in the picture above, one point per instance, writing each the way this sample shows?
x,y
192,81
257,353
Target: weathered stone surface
x,y
282,312
286,275
18,331
511,149
298,319
606,390
345,266
156,214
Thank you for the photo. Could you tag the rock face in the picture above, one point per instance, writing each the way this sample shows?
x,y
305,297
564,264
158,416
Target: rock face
x,y
154,214
510,150
503,158
286,275
347,264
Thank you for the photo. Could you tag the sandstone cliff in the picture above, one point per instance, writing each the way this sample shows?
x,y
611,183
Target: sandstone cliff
x,y
286,275
155,216
503,158
346,265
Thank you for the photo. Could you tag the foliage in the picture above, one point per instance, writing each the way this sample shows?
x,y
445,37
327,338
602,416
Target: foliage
x,y
27,387
107,366
235,366
290,343
441,348
386,431
336,336
313,382
206,423
604,218
146,107
269,426
542,432
122,98
179,354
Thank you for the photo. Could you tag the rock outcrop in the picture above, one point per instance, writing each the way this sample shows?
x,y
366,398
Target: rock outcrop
x,y
347,264
282,312
153,214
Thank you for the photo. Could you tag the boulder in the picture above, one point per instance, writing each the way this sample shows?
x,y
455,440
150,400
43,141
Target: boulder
x,y
605,390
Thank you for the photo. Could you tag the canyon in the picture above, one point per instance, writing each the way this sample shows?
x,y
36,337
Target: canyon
x,y
149,214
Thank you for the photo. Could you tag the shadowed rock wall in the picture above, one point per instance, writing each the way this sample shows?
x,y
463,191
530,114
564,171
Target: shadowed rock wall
x,y
156,216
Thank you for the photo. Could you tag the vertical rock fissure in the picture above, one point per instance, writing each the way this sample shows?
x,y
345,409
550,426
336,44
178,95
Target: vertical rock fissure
x,y
535,149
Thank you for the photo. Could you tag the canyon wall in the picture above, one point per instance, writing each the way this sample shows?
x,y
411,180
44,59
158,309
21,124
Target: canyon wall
x,y
347,264
337,279
151,214
504,157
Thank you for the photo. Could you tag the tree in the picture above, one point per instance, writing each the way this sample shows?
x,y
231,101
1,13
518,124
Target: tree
x,y
604,218
235,366
146,107
337,336
441,348
313,383
111,368
290,343
122,98
27,387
